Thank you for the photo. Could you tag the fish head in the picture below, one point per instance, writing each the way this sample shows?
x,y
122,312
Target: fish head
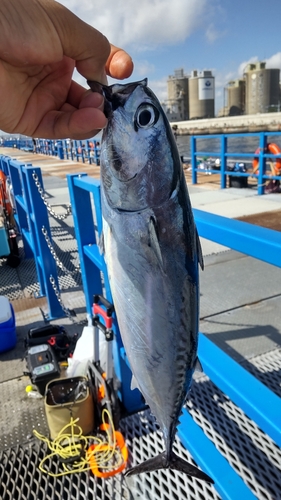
x,y
140,164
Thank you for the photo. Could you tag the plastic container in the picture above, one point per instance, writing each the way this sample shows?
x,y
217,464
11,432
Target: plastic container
x,y
8,338
4,244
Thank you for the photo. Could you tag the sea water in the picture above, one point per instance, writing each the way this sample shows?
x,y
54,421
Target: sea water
x,y
236,144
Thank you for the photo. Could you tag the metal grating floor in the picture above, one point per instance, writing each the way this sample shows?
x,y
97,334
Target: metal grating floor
x,y
251,453
22,281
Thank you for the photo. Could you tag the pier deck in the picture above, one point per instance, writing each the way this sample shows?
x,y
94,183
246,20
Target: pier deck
x,y
240,312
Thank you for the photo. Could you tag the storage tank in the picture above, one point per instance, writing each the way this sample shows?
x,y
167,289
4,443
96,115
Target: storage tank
x,y
201,95
177,102
262,88
235,97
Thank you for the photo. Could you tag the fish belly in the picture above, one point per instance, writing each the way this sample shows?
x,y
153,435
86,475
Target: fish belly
x,y
156,309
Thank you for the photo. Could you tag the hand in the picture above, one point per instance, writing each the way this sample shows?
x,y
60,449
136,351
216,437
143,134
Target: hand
x,y
41,42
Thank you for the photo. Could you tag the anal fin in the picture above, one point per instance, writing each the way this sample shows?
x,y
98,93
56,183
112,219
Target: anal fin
x,y
198,366
199,251
134,383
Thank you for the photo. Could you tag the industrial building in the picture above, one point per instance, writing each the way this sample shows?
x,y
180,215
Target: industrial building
x,y
190,97
236,97
257,92
262,88
193,97
177,102
201,96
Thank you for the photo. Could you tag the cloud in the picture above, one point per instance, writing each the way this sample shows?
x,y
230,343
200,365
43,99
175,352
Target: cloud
x,y
212,33
274,61
242,66
159,87
143,68
144,22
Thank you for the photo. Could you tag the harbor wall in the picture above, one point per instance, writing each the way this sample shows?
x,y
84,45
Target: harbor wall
x,y
265,122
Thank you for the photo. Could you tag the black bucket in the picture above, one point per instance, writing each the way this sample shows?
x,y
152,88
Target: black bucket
x,y
235,181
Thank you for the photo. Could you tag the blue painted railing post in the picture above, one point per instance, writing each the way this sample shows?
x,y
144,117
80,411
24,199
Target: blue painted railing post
x,y
39,222
87,224
21,216
223,161
193,159
85,232
262,162
60,150
33,223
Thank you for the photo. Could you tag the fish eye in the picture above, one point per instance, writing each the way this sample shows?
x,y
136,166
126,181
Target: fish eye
x,y
146,116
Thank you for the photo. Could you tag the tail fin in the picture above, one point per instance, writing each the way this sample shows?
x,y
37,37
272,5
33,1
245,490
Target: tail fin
x,y
175,463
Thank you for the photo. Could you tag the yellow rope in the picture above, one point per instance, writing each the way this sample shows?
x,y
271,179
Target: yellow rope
x,y
71,444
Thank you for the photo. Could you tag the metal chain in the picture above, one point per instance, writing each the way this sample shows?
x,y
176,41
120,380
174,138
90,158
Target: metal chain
x,y
43,197
64,308
53,253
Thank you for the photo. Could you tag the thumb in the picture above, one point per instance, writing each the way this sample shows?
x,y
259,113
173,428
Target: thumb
x,y
81,42
95,57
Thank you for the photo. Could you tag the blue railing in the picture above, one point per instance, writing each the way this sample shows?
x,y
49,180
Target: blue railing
x,y
32,221
225,155
256,400
89,151
85,151
24,144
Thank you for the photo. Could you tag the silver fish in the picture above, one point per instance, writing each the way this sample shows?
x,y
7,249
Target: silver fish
x,y
152,252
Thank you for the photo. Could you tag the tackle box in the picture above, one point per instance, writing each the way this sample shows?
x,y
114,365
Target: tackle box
x,y
8,338
42,366
44,331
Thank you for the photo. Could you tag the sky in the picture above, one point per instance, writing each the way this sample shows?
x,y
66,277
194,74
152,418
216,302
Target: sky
x,y
164,35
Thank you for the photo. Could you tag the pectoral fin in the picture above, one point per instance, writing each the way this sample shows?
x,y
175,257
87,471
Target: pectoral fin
x,y
153,239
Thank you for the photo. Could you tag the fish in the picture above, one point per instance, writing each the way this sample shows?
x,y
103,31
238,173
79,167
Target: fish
x,y
152,252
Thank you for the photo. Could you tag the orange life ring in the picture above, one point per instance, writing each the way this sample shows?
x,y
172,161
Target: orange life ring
x,y
273,149
4,196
